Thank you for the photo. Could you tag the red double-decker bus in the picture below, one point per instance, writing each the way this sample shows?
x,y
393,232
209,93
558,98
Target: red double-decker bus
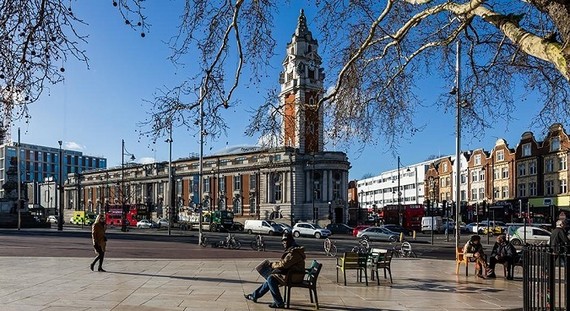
x,y
135,212
411,215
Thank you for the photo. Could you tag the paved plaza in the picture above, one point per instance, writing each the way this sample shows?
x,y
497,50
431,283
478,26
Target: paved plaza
x,y
35,283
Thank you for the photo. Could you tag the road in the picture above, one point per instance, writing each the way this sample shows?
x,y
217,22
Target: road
x,y
151,243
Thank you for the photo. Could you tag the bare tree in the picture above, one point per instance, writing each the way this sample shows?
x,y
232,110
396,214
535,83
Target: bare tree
x,y
378,50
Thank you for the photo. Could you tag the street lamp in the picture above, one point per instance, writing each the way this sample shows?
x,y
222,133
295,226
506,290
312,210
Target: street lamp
x,y
170,177
60,188
123,205
457,91
314,191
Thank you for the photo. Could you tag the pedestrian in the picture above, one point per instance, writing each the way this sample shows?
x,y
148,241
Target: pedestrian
x,y
292,260
559,241
99,242
474,249
505,253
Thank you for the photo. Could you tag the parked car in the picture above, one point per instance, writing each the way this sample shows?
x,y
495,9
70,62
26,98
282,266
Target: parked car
x,y
237,226
309,229
144,224
533,235
162,222
53,219
340,229
378,234
286,227
472,227
359,228
397,229
262,226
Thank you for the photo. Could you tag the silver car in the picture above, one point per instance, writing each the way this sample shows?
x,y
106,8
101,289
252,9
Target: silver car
x,y
378,234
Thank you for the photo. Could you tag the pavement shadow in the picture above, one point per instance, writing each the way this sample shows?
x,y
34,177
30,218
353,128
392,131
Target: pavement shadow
x,y
445,286
311,307
187,278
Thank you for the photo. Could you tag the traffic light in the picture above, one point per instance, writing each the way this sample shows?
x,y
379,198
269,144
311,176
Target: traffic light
x,y
484,207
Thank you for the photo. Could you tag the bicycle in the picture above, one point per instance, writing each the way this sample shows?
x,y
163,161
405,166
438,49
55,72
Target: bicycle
x,y
204,241
229,242
363,247
258,244
404,250
330,247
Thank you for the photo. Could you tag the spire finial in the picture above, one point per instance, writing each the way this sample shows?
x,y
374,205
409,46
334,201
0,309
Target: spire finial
x,y
302,24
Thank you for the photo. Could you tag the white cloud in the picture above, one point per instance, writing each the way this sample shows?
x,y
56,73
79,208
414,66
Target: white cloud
x,y
71,145
147,160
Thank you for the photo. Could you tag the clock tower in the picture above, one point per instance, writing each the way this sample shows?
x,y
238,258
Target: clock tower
x,y
301,89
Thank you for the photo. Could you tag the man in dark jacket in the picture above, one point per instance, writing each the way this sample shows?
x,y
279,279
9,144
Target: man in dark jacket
x,y
559,241
293,260
503,252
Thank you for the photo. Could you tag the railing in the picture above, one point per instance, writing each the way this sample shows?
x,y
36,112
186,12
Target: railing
x,y
545,278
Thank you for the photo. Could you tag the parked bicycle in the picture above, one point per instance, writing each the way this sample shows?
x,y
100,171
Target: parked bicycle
x,y
258,244
203,241
229,242
330,247
363,247
404,250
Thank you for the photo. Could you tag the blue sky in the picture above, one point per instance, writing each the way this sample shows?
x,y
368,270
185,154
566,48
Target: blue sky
x,y
97,107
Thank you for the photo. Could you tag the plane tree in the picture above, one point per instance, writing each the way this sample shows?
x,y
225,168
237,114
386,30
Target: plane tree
x,y
381,56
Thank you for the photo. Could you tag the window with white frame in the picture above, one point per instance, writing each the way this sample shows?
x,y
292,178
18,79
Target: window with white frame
x,y
496,193
526,150
505,192
445,167
206,185
555,144
549,165
522,190
505,172
549,187
474,176
253,181
237,182
448,181
522,169
500,155
481,193
478,159
481,175
463,194
442,181
562,163
532,188
222,184
563,187
496,173
532,168
473,194
463,179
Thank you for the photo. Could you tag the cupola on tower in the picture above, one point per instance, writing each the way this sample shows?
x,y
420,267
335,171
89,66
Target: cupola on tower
x,y
301,89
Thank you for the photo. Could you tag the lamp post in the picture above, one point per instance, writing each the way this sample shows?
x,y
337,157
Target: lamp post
x,y
291,189
201,164
360,203
60,188
457,139
170,185
314,191
399,196
123,205
19,179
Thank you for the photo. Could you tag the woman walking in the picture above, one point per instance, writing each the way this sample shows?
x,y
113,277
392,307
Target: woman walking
x,y
99,242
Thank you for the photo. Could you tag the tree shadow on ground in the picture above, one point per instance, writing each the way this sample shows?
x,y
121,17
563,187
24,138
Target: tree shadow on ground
x,y
187,278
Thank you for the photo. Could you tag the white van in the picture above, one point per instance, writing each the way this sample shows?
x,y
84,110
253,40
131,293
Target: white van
x,y
429,221
534,235
261,226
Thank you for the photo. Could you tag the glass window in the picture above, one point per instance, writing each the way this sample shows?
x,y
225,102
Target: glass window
x,y
522,190
481,193
526,150
463,179
505,172
555,144
478,159
496,173
549,164
496,193
563,187
532,168
252,181
482,175
505,191
237,182
474,176
549,187
532,188
474,194
522,169
562,163
500,155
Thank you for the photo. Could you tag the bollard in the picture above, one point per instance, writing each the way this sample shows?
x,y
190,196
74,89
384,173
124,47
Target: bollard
x,y
414,235
401,236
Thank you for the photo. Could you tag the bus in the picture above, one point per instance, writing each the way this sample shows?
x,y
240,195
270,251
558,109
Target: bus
x,y
411,215
134,213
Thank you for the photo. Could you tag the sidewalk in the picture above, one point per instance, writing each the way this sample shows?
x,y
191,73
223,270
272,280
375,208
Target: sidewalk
x,y
34,283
